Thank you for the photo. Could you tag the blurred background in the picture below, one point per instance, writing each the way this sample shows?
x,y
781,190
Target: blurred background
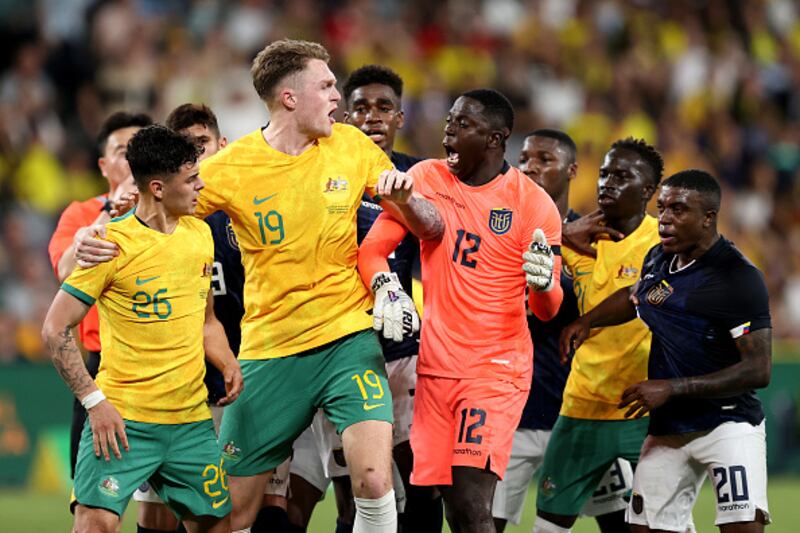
x,y
713,84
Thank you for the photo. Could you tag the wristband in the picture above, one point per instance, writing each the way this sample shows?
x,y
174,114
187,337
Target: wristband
x,y
92,399
108,205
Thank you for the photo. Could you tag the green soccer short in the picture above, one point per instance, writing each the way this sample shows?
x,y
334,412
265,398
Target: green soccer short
x,y
180,461
577,456
346,378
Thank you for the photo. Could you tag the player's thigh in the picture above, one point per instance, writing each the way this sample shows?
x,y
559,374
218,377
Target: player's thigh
x,y
403,384
578,454
192,480
276,405
432,432
95,520
613,491
665,484
110,484
352,381
735,456
527,454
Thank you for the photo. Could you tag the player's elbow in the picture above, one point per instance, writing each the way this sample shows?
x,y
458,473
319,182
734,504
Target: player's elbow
x,y
762,375
434,231
50,332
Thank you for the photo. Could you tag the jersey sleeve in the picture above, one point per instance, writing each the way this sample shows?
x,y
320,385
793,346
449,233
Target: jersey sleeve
x,y
746,305
373,162
422,173
87,284
546,217
213,196
69,224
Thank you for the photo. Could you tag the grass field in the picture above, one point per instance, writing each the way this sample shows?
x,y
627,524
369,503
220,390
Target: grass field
x,y
22,511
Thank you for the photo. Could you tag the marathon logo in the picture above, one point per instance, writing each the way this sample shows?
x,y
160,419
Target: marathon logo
x,y
467,451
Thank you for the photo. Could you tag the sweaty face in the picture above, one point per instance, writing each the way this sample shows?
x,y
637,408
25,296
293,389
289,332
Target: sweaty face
x,y
113,164
206,138
683,219
466,137
316,99
375,110
624,185
546,162
180,193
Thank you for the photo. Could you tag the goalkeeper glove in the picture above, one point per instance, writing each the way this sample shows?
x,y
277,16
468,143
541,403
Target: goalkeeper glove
x,y
394,311
538,263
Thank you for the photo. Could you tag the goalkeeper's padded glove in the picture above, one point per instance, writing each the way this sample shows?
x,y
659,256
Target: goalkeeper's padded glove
x,y
394,311
538,263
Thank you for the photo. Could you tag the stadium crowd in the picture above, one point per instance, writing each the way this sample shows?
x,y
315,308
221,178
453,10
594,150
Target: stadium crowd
x,y
712,84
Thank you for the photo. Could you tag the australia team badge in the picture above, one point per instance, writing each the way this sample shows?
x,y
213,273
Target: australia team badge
x,y
500,220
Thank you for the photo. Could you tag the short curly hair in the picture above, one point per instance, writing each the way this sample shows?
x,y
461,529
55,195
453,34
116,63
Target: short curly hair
x,y
369,74
159,152
187,115
646,152
118,121
280,59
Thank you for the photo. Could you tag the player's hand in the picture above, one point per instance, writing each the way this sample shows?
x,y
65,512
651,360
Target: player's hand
x,y
125,197
572,337
107,425
538,263
581,233
90,247
394,312
645,396
234,383
395,186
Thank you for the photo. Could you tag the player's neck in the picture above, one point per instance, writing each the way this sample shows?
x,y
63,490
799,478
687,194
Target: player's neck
x,y
699,250
562,203
627,225
154,216
486,172
284,136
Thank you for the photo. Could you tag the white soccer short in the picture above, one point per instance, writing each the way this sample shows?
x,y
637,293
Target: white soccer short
x,y
402,375
672,469
278,484
527,454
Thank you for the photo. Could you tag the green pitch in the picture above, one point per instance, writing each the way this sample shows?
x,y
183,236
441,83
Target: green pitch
x,y
22,511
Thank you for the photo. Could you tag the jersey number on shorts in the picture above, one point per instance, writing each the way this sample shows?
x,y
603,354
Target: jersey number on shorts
x,y
216,481
737,475
614,486
465,239
272,222
369,379
160,305
479,415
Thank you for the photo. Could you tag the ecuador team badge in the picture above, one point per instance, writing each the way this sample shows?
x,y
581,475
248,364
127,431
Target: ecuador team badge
x,y
500,220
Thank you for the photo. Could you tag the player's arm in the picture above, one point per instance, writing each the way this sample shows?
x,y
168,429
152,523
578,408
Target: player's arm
x,y
396,195
542,266
219,353
614,310
752,372
581,233
64,314
394,312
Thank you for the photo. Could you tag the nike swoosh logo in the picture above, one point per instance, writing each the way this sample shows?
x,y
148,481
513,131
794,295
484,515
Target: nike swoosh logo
x,y
142,281
368,407
579,273
217,505
259,201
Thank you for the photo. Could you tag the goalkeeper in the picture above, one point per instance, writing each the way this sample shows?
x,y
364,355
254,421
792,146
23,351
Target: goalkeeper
x,y
475,361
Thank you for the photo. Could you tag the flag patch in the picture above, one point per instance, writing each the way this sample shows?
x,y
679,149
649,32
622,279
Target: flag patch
x,y
740,330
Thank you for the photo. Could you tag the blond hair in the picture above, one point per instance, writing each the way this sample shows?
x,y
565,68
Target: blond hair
x,y
280,59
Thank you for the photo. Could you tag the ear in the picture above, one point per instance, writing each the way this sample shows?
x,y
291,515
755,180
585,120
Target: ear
x,y
648,191
572,171
288,99
156,188
223,142
497,137
101,162
346,117
710,220
400,119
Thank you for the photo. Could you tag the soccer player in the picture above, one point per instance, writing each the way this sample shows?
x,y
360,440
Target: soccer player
x,y
591,432
548,158
154,305
112,141
708,308
476,355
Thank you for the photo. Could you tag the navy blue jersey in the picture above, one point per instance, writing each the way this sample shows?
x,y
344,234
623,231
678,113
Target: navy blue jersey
x,y
401,261
695,314
549,375
227,283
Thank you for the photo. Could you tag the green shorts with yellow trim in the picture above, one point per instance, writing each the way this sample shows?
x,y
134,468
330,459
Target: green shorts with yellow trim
x,y
346,378
578,454
180,461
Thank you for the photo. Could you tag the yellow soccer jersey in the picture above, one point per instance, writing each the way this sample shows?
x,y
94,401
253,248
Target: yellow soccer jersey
x,y
151,299
612,358
295,220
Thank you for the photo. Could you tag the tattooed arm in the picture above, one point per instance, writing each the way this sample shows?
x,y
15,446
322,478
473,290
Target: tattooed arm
x,y
752,372
64,314
414,211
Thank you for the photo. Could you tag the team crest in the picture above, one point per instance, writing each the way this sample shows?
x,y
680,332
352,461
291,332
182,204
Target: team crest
x,y
336,184
208,269
627,272
548,486
110,487
658,294
232,240
500,220
231,452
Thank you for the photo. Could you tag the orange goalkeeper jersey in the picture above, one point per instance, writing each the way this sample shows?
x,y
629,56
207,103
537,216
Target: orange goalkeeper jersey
x,y
474,299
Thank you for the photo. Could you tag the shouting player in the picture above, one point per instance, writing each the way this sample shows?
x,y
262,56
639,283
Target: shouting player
x,y
475,358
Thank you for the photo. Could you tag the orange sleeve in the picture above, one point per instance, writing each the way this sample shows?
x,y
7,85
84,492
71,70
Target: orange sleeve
x,y
382,239
71,221
545,304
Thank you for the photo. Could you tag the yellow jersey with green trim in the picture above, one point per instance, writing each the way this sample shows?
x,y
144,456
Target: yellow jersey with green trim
x,y
612,358
295,220
151,300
